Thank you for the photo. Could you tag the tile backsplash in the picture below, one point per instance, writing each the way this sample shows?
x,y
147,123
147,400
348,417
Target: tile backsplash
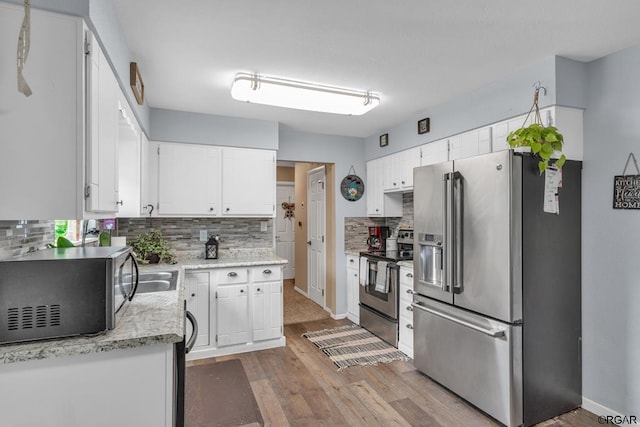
x,y
356,228
21,236
184,233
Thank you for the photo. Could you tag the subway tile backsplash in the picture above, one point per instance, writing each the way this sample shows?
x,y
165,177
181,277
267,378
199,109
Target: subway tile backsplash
x,y
356,228
21,236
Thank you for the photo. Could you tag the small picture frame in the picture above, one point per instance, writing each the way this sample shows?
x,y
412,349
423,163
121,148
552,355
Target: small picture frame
x,y
423,125
136,83
384,140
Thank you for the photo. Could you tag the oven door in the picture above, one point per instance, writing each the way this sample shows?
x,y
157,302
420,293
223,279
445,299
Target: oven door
x,y
383,302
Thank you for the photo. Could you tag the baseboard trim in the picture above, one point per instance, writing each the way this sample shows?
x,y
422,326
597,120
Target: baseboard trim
x,y
598,409
338,316
300,291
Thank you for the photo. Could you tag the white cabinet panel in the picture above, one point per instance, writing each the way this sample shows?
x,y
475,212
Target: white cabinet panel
x,y
232,308
405,324
149,177
129,161
248,182
411,158
188,182
197,288
102,125
353,283
435,152
380,204
267,310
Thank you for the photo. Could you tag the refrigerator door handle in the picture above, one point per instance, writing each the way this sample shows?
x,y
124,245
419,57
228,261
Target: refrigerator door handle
x,y
457,232
494,333
447,260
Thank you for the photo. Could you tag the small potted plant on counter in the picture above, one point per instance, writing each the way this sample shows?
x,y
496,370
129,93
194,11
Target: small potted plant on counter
x,y
152,248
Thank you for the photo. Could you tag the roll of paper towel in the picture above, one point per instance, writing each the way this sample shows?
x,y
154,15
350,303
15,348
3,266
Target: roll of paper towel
x,y
118,241
392,244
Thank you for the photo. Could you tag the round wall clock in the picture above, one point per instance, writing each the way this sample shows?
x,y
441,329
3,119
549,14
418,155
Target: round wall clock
x,y
352,187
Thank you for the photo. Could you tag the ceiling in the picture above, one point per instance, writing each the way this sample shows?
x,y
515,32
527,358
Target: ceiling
x,y
416,54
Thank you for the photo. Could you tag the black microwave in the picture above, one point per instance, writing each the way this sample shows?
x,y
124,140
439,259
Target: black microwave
x,y
62,292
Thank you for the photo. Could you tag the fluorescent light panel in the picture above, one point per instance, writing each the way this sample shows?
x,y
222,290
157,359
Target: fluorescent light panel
x,y
301,95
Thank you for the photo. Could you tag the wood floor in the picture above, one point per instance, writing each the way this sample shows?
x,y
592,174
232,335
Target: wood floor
x,y
298,385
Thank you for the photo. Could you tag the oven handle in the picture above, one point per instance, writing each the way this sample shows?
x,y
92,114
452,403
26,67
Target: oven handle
x,y
494,333
194,333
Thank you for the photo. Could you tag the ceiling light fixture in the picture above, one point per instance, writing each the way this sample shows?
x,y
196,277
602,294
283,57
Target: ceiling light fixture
x,y
302,95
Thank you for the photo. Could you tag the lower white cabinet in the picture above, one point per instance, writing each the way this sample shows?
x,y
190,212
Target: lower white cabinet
x,y
238,309
405,341
353,283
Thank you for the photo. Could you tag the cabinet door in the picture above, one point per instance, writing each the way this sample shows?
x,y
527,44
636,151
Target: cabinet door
x,y
435,152
392,172
148,177
410,159
129,150
374,188
188,181
248,182
353,283
232,315
197,295
267,310
102,126
41,136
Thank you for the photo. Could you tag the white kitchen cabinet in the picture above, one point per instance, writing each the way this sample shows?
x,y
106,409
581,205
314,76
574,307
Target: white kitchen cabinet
x,y
435,152
129,161
188,179
42,136
197,289
471,143
148,177
411,159
122,387
405,340
244,309
398,170
353,288
379,203
248,182
102,189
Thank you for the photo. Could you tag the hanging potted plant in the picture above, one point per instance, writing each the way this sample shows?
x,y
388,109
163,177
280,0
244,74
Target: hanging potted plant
x,y
543,141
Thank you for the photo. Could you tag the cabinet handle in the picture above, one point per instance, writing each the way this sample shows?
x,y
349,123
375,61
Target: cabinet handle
x,y
210,209
355,274
403,182
232,274
120,203
410,291
394,184
351,261
258,289
242,291
409,275
377,210
227,209
267,271
193,295
409,308
409,326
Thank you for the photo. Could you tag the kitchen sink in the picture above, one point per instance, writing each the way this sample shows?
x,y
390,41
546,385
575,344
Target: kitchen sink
x,y
157,281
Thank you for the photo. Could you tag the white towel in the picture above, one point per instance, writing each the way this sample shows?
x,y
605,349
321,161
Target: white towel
x,y
382,284
364,271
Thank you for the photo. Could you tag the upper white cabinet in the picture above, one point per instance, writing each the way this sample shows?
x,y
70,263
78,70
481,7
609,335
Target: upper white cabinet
x,y
42,136
102,131
435,152
379,203
398,170
149,152
468,144
248,182
206,180
189,182
129,161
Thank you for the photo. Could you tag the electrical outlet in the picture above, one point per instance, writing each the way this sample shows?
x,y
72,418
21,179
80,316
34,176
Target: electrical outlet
x,y
263,226
203,235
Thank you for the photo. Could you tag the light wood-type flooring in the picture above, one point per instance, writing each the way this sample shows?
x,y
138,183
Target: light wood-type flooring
x,y
298,385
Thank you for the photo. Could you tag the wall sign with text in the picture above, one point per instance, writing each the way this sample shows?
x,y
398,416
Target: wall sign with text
x,y
626,188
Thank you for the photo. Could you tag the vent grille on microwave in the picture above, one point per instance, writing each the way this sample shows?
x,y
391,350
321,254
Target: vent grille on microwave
x,y
40,316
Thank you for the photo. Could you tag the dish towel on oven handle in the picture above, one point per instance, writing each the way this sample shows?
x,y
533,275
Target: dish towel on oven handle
x,y
364,271
382,282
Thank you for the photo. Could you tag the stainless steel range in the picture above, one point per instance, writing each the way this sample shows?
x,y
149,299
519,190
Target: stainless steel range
x,y
378,291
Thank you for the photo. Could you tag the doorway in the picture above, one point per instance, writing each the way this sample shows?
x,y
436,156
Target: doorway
x,y
316,230
285,232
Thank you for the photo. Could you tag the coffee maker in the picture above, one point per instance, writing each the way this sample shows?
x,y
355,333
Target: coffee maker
x,y
377,240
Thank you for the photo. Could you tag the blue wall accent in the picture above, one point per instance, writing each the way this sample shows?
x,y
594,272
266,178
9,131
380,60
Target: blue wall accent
x,y
610,237
196,128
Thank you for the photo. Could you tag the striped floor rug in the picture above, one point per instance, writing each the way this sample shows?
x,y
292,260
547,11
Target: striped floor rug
x,y
352,345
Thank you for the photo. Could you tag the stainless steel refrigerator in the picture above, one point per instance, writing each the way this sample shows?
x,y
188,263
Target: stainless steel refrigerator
x,y
497,316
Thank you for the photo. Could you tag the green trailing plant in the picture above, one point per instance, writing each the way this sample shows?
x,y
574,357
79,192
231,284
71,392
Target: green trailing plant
x,y
542,140
151,247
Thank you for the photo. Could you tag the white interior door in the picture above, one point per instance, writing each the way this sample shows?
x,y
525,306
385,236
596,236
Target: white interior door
x,y
285,232
315,234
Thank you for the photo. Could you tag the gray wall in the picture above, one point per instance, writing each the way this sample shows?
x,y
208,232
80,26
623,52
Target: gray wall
x,y
343,151
196,128
611,238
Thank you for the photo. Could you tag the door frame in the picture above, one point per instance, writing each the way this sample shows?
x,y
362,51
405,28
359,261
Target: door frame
x,y
323,261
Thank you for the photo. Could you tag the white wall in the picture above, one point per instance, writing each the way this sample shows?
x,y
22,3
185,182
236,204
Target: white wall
x,y
611,238
343,151
196,128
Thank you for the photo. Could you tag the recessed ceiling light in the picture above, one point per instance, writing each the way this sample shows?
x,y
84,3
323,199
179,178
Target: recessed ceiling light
x,y
302,95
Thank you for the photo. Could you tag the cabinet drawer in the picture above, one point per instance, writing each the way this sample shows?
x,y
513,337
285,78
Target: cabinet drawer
x,y
224,276
406,277
265,273
406,294
353,262
405,309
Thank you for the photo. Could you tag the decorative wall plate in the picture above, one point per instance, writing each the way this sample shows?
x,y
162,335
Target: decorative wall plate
x,y
352,186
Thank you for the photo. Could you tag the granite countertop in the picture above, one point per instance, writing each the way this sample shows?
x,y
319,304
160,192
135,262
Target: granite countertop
x,y
150,318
